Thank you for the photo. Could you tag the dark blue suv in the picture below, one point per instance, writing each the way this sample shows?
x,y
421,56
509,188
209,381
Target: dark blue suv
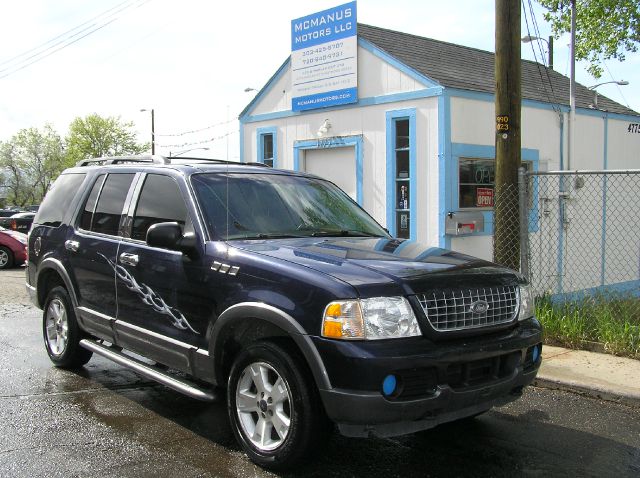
x,y
277,287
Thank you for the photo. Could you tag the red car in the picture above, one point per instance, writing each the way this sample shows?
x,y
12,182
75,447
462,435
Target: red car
x,y
13,248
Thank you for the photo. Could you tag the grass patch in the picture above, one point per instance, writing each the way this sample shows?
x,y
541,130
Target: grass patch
x,y
613,322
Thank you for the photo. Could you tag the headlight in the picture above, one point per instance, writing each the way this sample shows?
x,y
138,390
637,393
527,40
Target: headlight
x,y
370,319
526,302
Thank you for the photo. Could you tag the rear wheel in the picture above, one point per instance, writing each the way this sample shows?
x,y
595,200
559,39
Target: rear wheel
x,y
274,408
61,332
6,258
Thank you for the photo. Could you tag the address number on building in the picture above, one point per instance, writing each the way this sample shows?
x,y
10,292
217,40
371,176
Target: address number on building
x,y
502,122
633,128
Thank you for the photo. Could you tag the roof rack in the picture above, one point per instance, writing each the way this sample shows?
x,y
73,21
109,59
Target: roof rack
x,y
157,159
154,159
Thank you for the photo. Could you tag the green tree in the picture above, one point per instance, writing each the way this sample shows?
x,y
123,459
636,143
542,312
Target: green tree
x,y
30,161
95,136
605,29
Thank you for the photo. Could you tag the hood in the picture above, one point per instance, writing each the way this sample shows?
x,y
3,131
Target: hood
x,y
376,266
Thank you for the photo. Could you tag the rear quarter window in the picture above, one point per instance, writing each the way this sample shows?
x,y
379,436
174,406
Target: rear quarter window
x,y
57,201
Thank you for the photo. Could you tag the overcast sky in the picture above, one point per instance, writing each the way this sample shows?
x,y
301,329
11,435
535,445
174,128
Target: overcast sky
x,y
191,60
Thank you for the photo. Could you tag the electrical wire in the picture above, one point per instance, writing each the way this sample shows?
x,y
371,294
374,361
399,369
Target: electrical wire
x,y
198,130
196,143
68,41
613,79
42,45
553,102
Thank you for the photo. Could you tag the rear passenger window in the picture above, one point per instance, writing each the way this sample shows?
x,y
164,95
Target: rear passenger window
x,y
58,199
160,201
108,210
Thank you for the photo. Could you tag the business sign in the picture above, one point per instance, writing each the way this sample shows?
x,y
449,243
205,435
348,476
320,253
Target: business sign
x,y
324,59
484,197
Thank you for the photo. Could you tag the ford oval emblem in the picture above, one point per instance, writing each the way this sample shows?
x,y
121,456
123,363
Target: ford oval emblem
x,y
479,307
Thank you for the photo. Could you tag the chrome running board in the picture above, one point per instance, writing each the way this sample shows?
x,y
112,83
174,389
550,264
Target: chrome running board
x,y
149,371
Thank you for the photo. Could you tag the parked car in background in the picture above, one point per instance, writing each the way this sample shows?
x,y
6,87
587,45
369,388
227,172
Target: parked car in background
x,y
8,212
13,248
20,221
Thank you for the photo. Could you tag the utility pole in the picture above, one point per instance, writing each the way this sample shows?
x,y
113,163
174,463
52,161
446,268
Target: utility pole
x,y
506,237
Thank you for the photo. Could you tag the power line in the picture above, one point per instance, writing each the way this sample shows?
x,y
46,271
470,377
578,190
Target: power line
x,y
68,41
42,45
196,143
616,82
553,102
198,130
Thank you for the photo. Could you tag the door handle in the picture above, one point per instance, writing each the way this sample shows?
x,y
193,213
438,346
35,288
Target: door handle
x,y
72,246
129,259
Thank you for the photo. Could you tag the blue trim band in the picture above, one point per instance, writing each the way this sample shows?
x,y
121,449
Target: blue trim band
x,y
476,151
374,100
444,162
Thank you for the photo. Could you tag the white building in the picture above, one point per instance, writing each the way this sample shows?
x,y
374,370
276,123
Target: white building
x,y
419,142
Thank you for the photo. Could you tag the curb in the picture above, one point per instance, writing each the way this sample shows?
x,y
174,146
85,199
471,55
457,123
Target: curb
x,y
629,399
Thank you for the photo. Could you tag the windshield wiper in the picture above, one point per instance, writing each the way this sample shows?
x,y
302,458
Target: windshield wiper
x,y
343,233
270,236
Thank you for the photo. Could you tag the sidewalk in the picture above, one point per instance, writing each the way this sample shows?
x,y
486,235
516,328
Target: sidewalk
x,y
598,375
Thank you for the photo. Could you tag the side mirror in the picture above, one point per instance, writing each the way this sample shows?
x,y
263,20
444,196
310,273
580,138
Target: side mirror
x,y
164,234
169,236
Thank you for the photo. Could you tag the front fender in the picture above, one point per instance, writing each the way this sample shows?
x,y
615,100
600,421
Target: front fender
x,y
282,320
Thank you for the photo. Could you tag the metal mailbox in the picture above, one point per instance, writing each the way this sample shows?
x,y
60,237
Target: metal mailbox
x,y
464,223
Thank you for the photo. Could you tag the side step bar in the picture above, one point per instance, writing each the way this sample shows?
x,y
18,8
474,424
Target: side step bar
x,y
149,371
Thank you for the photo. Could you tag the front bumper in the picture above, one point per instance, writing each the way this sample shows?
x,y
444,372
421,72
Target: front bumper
x,y
449,380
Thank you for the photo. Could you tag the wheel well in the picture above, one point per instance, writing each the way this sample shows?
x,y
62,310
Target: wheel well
x,y
240,334
47,280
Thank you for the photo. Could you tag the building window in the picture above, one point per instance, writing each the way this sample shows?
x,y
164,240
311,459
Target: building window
x,y
402,178
267,146
401,173
476,184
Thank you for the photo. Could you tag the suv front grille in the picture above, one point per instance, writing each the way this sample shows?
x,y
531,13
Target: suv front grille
x,y
460,309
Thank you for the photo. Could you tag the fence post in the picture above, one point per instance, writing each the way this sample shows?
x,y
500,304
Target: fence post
x,y
523,199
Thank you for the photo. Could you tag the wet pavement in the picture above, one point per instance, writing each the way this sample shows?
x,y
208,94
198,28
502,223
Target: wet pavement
x,y
106,421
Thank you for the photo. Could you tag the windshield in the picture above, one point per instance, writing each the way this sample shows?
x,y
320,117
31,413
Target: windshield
x,y
261,206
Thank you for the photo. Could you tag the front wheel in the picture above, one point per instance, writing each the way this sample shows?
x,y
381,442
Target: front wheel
x,y
61,332
274,408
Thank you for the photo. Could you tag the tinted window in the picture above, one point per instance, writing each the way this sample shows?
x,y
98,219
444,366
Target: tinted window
x,y
110,204
160,201
90,205
58,199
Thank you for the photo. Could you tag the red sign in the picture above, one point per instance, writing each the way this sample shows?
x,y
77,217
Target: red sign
x,y
484,197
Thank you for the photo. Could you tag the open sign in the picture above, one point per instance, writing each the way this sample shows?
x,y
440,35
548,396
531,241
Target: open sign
x,y
484,197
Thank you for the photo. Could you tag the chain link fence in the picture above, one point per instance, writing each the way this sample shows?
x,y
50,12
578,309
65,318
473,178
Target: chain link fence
x,y
580,249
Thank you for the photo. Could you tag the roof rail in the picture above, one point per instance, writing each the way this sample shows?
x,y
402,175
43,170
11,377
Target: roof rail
x,y
153,159
157,159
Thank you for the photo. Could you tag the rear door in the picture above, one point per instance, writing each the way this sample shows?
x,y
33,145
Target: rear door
x,y
163,304
92,250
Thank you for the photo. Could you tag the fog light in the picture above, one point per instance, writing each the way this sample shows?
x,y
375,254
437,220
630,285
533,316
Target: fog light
x,y
389,385
536,353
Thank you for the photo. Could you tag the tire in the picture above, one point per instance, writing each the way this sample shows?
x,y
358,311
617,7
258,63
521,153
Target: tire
x,y
276,429
61,332
6,258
